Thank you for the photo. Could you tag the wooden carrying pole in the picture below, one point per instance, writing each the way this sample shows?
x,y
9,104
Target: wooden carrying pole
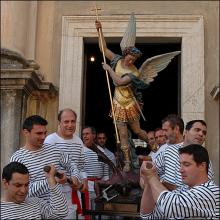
x,y
107,78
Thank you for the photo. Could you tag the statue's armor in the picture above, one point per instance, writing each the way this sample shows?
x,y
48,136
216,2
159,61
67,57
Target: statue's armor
x,y
124,104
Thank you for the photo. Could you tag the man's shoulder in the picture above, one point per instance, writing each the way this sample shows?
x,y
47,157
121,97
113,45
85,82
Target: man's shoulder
x,y
54,138
173,148
163,147
86,149
110,152
18,152
167,152
89,153
209,184
207,188
51,138
76,138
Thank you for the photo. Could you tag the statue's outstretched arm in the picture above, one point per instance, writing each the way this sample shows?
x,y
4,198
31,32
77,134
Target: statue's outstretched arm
x,y
102,43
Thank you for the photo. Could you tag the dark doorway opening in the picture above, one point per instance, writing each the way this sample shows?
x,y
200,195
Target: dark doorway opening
x,y
161,98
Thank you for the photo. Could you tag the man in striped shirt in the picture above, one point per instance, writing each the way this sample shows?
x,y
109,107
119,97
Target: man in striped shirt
x,y
95,169
101,139
68,142
199,200
34,155
15,205
173,127
195,133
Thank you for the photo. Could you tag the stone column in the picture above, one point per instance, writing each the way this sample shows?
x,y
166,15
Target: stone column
x,y
19,80
12,101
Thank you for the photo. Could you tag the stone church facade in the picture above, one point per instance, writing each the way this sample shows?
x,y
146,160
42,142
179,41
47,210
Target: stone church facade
x,y
42,58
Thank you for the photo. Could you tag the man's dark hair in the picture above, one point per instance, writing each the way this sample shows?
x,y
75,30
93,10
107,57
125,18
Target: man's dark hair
x,y
101,132
63,110
200,154
174,120
92,129
13,167
34,120
191,123
158,129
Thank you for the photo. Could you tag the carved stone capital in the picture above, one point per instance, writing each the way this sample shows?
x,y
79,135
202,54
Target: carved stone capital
x,y
12,60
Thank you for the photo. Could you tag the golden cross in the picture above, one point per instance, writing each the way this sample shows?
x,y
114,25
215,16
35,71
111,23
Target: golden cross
x,y
97,12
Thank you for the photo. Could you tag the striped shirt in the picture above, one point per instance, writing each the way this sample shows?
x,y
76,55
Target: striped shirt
x,y
160,161
200,201
95,168
35,162
161,149
152,154
36,208
110,155
171,165
73,147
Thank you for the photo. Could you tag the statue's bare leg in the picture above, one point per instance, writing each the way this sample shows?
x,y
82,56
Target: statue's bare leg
x,y
123,133
135,127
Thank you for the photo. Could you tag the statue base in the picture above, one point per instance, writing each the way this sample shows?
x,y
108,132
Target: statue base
x,y
119,196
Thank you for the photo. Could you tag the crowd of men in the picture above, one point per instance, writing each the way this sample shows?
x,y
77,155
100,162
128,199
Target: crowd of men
x,y
176,174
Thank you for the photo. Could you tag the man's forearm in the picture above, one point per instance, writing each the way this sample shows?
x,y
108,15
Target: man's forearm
x,y
51,181
156,187
147,201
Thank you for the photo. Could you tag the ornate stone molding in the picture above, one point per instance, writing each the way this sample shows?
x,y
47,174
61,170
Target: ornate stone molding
x,y
20,79
188,28
12,60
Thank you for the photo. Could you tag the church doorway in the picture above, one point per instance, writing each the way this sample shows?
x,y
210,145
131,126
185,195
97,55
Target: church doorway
x,y
161,98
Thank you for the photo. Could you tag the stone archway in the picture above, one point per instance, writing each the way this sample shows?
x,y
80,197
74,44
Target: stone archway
x,y
189,28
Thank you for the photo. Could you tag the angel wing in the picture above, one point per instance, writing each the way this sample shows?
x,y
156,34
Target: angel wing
x,y
129,34
152,66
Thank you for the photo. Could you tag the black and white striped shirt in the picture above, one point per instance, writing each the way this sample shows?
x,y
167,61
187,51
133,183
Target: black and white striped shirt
x,y
36,208
200,202
169,165
35,162
160,161
73,147
95,168
161,149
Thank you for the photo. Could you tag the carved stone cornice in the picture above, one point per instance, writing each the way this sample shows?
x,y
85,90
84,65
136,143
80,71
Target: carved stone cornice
x,y
21,74
12,60
27,80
